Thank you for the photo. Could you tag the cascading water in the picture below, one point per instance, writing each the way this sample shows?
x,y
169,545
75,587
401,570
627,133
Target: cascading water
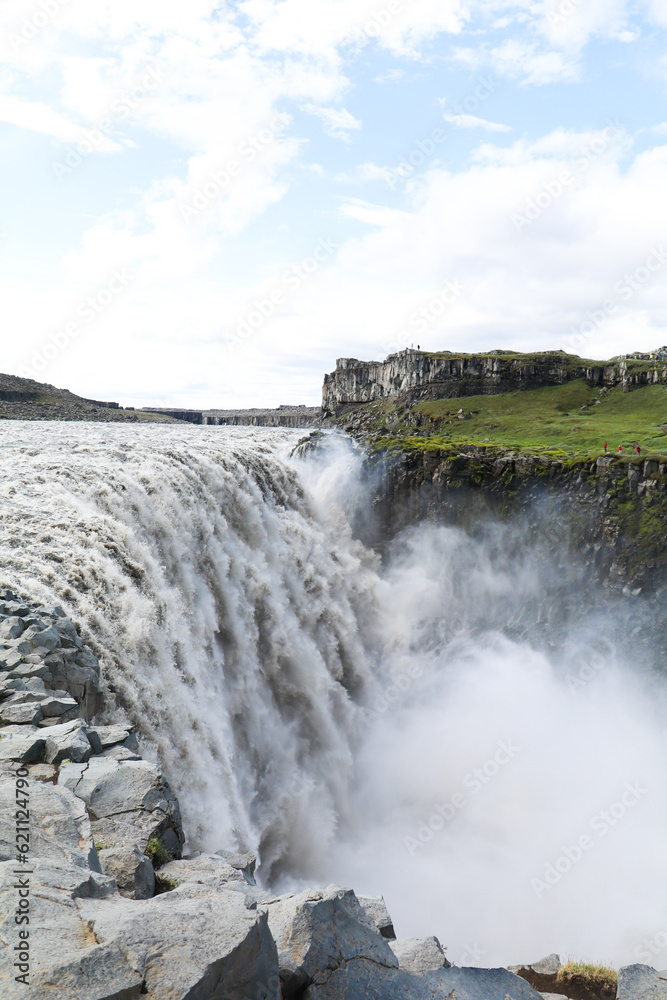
x,y
444,728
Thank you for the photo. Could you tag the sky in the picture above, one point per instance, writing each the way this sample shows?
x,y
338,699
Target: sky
x,y
207,204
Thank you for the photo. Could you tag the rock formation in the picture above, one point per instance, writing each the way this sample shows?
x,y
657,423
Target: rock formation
x,y
414,375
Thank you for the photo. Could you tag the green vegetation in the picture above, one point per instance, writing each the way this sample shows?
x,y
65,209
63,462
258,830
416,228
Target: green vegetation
x,y
158,854
597,977
570,421
165,883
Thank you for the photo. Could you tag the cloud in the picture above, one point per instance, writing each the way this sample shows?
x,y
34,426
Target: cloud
x,y
470,121
338,122
37,117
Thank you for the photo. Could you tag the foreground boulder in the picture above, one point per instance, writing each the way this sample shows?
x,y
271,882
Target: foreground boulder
x,y
318,932
191,943
363,979
641,982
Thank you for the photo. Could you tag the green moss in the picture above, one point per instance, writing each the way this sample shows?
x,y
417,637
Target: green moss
x,y
158,854
165,883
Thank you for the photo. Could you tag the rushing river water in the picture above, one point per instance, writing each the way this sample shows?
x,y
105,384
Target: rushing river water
x,y
469,727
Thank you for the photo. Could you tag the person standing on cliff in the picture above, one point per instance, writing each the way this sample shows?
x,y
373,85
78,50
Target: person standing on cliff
x,y
639,449
620,448
606,445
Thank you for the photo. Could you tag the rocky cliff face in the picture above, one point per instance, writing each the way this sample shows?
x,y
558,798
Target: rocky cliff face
x,y
614,513
415,375
281,416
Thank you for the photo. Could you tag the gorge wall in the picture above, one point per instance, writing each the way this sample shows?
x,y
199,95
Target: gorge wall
x,y
415,375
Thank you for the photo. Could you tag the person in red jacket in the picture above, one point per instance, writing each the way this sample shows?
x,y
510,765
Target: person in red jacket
x,y
639,450
620,448
605,447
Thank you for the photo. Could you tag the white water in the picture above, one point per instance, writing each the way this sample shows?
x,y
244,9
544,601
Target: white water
x,y
309,704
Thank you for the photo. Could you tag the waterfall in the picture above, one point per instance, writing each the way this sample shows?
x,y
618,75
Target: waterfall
x,y
444,727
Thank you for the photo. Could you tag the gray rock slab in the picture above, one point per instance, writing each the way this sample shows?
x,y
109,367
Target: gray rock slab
x,y
216,873
323,930
67,742
362,978
10,658
110,735
129,802
131,869
211,946
60,939
27,714
11,628
60,829
376,910
548,966
28,749
57,706
641,982
419,955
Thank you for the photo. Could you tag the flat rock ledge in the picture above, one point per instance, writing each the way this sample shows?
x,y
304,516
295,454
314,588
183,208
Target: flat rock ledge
x,y
117,913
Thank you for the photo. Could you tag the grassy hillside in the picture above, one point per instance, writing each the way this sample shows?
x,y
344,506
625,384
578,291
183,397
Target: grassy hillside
x,y
572,420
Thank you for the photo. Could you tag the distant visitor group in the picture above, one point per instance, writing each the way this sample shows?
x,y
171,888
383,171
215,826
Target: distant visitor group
x,y
638,449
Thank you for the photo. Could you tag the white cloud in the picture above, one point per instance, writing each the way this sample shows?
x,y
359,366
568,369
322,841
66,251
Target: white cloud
x,y
338,122
37,117
471,121
657,11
